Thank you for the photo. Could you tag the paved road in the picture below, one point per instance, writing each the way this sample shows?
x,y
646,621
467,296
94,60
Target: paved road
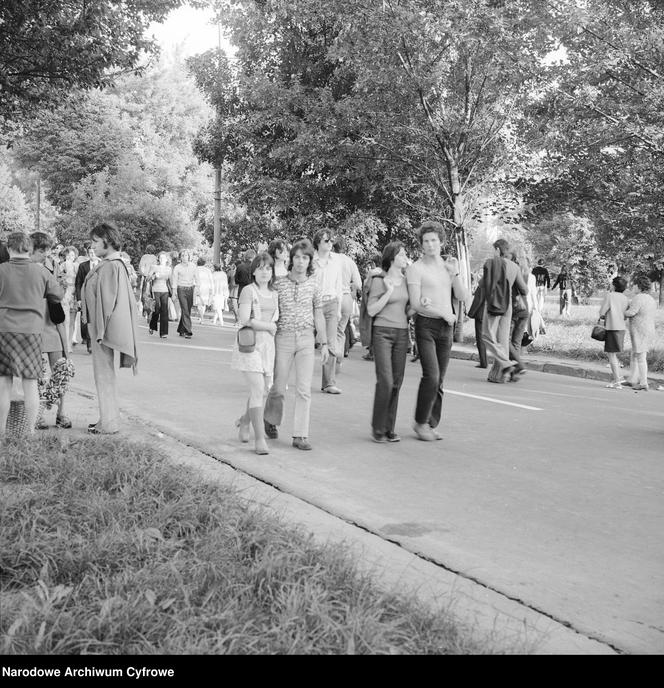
x,y
549,491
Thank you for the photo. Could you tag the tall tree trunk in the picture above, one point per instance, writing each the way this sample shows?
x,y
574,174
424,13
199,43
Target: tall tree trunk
x,y
461,246
661,287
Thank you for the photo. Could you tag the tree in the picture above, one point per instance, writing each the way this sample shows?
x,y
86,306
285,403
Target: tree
x,y
49,48
14,214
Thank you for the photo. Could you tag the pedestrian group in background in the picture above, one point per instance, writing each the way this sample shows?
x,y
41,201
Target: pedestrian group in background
x,y
293,301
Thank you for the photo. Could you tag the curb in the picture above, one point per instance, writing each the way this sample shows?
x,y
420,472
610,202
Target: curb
x,y
556,368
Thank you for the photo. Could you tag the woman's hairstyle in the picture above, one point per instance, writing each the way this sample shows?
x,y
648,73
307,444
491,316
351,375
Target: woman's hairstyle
x,y
185,252
263,258
429,227
503,246
619,284
276,245
166,254
303,245
20,242
642,281
216,267
339,245
389,254
108,233
200,262
65,251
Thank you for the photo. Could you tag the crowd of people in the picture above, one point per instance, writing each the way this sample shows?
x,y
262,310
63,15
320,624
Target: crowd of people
x,y
288,302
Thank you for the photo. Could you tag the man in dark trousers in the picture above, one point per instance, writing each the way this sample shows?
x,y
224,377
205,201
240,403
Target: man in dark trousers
x,y
82,272
542,282
243,275
476,311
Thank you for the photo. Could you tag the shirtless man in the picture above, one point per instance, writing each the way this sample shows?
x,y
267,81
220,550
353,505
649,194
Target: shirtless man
x,y
431,281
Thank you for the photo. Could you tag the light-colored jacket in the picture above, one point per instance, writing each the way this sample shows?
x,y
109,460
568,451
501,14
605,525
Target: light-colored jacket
x,y
108,305
614,308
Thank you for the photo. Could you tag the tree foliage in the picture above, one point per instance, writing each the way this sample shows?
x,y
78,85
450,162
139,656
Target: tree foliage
x,y
49,48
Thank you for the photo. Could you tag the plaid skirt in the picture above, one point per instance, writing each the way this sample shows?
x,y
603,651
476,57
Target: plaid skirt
x,y
20,355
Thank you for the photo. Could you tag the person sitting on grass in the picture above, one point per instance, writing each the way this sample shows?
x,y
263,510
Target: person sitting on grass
x,y
613,311
23,286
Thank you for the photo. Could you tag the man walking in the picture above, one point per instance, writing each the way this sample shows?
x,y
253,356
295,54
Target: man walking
x,y
500,276
431,283
243,276
351,285
564,281
542,282
81,274
328,273
184,282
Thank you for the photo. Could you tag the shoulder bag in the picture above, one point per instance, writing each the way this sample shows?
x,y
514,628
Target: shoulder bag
x,y
599,331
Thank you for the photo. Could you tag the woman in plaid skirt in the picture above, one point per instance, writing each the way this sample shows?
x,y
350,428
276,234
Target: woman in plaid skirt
x,y
22,288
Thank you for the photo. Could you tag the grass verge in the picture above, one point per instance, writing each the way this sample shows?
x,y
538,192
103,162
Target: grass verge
x,y
107,549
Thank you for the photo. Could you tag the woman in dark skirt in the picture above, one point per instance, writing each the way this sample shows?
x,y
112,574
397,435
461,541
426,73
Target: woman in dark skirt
x,y
613,311
22,288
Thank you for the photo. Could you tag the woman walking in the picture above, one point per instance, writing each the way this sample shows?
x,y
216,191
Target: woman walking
x,y
388,306
641,315
23,286
279,252
613,311
109,310
204,288
184,283
258,309
159,277
220,293
300,310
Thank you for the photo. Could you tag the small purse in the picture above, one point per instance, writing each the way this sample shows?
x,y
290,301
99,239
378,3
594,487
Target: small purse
x,y
598,332
246,340
55,312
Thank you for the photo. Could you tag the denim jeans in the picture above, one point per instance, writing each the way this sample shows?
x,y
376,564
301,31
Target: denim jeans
x,y
434,343
331,313
479,342
186,299
390,346
292,348
160,312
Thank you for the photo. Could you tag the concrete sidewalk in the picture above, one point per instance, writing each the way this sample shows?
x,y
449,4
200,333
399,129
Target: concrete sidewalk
x,y
558,366
504,625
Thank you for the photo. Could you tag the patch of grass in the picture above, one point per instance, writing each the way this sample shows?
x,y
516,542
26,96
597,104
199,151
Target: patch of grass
x,y
105,548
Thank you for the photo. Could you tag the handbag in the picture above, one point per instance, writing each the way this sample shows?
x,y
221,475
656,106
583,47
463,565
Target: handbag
x,y
56,312
527,339
598,332
246,340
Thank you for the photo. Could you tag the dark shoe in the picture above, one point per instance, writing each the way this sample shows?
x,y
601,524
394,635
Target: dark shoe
x,y
62,422
89,347
302,443
41,424
163,336
479,365
393,437
506,374
332,390
640,388
271,431
368,357
93,425
151,331
379,437
416,357
188,336
517,373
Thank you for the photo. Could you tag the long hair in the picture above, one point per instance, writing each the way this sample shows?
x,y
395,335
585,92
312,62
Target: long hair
x,y
307,249
263,258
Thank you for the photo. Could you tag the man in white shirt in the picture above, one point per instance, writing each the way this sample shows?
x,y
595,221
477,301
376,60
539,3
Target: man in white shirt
x,y
431,283
351,286
185,280
329,276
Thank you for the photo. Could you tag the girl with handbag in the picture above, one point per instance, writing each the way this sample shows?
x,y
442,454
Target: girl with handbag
x,y
258,312
159,278
613,310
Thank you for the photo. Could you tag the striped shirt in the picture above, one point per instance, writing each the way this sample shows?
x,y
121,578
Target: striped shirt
x,y
297,301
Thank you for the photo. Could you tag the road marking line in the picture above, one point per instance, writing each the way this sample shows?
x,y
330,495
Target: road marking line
x,y
495,401
187,346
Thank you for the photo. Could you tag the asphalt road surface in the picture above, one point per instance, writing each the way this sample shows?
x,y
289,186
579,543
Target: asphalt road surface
x,y
549,491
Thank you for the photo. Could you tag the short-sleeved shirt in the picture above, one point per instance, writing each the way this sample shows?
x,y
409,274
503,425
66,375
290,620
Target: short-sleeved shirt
x,y
393,314
297,301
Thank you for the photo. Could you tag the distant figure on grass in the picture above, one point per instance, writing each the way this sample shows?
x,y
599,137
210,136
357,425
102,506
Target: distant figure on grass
x,y
613,310
204,288
23,286
184,283
564,281
53,337
82,272
388,307
432,282
300,310
159,278
259,310
499,278
542,283
220,294
641,314
109,309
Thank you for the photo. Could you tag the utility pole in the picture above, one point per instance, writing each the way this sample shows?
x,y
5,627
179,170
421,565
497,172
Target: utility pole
x,y
38,204
216,243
